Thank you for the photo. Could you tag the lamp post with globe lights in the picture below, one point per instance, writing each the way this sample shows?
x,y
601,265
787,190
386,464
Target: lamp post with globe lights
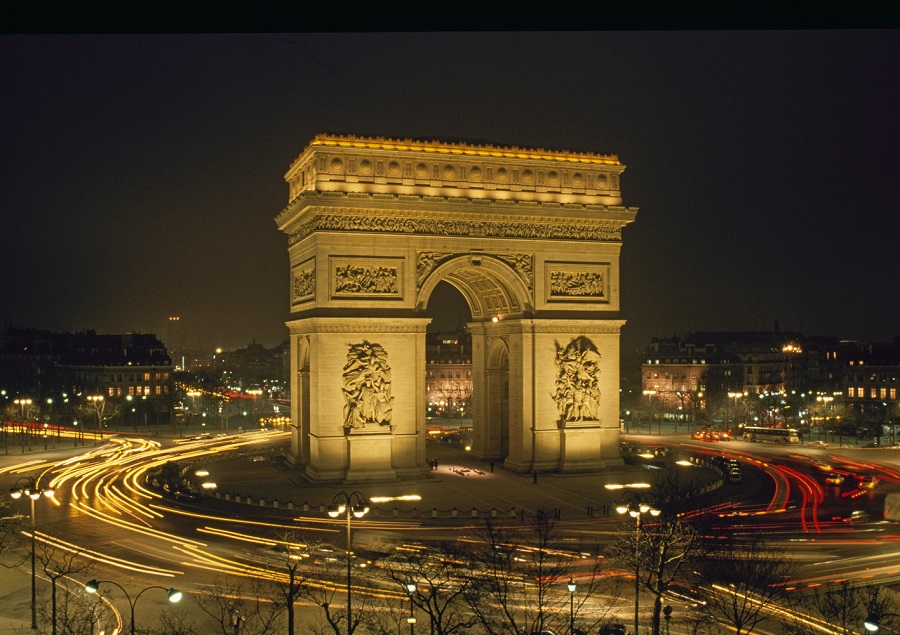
x,y
636,506
354,505
411,589
23,403
94,586
29,487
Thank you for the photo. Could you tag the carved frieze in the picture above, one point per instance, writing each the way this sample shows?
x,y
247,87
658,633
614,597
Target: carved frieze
x,y
436,227
367,387
303,282
372,277
577,393
577,281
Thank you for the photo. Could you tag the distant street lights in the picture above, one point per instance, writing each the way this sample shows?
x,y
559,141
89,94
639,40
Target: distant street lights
x,y
354,505
28,486
634,505
94,585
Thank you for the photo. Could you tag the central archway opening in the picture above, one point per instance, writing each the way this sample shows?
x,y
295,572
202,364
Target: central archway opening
x,y
450,380
448,367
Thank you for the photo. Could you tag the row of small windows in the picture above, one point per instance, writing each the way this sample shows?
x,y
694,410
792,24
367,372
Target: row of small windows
x,y
669,376
146,377
684,388
655,362
882,377
137,391
449,374
874,393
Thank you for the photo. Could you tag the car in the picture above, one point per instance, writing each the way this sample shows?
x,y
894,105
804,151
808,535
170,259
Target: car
x,y
834,479
865,481
612,629
817,444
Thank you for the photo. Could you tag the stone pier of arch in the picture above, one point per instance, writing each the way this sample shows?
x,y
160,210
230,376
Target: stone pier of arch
x,y
530,238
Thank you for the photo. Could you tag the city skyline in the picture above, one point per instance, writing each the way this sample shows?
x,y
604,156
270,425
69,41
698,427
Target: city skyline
x,y
145,171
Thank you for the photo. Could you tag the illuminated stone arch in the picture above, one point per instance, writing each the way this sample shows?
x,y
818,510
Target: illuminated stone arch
x,y
530,238
491,287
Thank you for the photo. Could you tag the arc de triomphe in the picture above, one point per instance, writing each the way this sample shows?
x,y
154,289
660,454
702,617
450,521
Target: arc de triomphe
x,y
531,239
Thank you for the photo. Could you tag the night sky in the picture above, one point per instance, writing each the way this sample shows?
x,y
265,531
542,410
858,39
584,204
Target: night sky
x,y
142,173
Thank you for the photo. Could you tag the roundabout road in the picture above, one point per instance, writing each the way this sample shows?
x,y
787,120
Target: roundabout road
x,y
105,510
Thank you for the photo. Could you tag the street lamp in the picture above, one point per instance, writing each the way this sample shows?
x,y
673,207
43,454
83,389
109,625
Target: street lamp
x,y
28,486
255,393
873,621
353,505
94,585
634,505
22,403
650,394
735,396
571,587
411,588
825,400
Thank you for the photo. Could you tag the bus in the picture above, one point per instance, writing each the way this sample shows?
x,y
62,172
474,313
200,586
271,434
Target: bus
x,y
771,435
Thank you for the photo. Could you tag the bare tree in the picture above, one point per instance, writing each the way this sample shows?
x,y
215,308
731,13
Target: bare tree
x,y
742,578
176,622
249,606
57,564
519,577
441,578
845,605
76,612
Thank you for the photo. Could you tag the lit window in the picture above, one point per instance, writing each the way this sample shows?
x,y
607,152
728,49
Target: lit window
x,y
883,392
873,393
851,391
893,393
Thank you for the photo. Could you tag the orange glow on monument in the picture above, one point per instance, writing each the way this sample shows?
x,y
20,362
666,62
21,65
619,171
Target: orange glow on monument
x,y
531,235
